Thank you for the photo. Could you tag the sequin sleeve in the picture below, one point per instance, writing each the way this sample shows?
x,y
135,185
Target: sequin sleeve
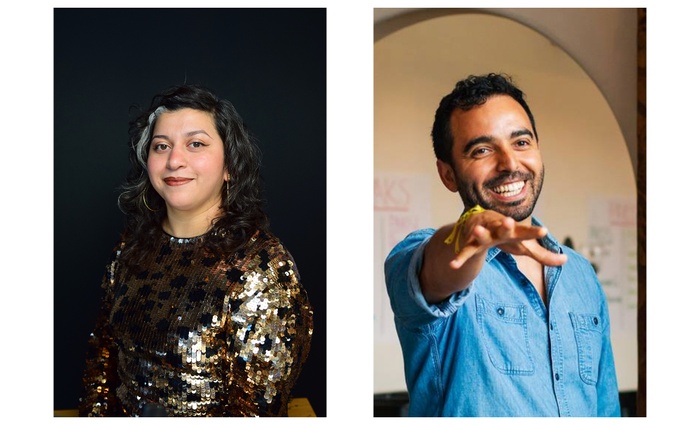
x,y
100,374
269,333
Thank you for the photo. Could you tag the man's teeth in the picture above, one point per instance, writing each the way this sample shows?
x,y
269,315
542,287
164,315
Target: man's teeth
x,y
509,189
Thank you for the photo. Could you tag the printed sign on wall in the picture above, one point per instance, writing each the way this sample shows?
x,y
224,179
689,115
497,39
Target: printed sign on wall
x,y
401,205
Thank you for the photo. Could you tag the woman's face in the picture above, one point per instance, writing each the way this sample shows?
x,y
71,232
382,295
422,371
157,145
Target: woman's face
x,y
186,162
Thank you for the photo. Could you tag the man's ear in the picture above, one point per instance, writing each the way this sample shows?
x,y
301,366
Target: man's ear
x,y
447,175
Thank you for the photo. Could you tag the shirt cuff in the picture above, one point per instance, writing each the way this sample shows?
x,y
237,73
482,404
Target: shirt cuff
x,y
444,308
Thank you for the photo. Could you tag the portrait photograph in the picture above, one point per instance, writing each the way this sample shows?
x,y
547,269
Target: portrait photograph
x,y
245,335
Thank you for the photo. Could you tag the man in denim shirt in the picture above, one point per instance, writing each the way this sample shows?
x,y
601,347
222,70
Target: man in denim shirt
x,y
494,316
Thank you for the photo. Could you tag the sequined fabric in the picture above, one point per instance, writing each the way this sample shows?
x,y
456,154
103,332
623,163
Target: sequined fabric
x,y
188,334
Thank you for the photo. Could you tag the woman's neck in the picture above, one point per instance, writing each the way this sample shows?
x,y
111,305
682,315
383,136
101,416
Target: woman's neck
x,y
183,224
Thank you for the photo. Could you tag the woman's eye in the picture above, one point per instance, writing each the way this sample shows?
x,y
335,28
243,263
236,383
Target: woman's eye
x,y
196,144
159,147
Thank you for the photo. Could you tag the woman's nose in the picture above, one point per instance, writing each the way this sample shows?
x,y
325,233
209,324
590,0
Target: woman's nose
x,y
177,158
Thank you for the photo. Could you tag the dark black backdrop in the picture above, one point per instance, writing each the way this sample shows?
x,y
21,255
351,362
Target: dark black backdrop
x,y
270,63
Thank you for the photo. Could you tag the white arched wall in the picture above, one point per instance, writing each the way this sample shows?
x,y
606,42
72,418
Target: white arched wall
x,y
584,150
602,40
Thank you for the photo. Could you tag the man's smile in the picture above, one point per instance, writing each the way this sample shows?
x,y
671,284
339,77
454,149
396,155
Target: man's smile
x,y
510,189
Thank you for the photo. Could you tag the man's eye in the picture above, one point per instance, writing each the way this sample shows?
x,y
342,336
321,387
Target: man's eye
x,y
479,152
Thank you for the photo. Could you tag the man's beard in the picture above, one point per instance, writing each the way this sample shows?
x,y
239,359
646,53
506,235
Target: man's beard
x,y
519,210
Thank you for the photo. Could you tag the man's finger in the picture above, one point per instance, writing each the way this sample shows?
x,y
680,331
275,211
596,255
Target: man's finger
x,y
478,239
547,257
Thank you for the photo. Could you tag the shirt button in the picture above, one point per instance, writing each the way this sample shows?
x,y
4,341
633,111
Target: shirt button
x,y
595,320
556,376
500,311
551,326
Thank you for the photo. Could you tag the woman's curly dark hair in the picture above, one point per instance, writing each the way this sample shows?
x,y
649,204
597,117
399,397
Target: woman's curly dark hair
x,y
242,203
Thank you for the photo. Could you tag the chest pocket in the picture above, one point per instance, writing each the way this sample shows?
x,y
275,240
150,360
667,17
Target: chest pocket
x,y
588,331
504,332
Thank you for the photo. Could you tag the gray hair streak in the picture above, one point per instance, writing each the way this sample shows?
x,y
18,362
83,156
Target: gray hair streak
x,y
141,147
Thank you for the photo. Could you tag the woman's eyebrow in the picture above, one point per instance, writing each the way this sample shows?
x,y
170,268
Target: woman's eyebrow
x,y
193,132
188,134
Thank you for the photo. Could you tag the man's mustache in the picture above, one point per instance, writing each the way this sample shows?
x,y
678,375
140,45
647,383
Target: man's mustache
x,y
509,176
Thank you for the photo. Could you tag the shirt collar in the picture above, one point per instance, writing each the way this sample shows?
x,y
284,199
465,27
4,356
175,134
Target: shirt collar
x,y
548,241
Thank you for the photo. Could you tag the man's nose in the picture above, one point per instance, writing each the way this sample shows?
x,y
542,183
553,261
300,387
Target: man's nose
x,y
507,160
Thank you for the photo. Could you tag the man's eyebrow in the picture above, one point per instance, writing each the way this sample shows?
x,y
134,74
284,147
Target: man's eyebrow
x,y
522,132
476,141
488,139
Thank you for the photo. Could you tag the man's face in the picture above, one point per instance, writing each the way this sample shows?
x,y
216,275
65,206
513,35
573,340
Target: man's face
x,y
496,158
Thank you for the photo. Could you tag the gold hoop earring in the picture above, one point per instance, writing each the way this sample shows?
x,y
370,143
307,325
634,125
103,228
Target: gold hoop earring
x,y
228,192
143,196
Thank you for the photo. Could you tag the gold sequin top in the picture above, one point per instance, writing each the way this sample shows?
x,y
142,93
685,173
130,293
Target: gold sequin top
x,y
188,334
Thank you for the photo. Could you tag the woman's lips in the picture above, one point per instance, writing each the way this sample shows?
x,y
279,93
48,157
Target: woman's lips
x,y
176,181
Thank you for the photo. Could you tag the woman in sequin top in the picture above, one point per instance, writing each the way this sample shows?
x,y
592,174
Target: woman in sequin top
x,y
203,313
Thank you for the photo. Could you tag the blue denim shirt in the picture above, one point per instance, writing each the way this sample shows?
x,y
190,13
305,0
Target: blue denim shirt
x,y
495,348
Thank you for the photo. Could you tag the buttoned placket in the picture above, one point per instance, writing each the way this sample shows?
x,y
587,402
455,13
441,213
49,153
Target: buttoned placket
x,y
556,346
551,276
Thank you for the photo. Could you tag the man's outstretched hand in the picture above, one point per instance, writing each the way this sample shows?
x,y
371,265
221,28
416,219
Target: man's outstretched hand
x,y
489,228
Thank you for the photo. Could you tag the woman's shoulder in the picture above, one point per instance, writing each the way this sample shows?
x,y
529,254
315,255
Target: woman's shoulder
x,y
264,242
265,253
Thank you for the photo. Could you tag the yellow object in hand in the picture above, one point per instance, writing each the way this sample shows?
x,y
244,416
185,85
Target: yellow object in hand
x,y
457,229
